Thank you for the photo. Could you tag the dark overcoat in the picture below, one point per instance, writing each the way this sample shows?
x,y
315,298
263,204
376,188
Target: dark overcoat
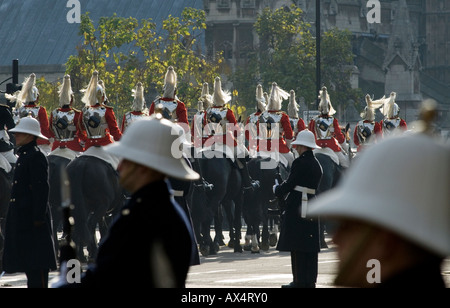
x,y
28,246
149,244
297,233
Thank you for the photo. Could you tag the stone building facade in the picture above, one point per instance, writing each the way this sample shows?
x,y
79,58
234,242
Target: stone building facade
x,y
407,52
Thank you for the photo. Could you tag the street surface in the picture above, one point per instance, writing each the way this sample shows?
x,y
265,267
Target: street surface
x,y
227,269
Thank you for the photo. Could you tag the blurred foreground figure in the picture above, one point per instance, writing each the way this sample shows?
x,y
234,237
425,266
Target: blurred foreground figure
x,y
396,231
138,248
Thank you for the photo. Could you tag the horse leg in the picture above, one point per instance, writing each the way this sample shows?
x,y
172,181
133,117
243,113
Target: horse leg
x,y
237,223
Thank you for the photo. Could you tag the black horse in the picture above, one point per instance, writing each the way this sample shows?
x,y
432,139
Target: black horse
x,y
55,164
227,192
96,196
332,173
261,203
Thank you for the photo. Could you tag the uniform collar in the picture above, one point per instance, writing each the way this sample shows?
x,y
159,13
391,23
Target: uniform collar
x,y
27,147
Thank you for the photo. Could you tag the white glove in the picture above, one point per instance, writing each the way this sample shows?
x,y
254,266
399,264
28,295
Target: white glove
x,y
275,186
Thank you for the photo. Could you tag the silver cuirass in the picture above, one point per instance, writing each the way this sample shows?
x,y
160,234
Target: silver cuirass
x,y
365,131
324,127
94,120
269,125
168,109
389,125
63,124
217,120
25,111
130,118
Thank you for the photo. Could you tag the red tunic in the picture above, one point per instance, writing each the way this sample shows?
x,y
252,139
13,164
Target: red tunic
x,y
74,144
198,134
42,117
286,132
252,124
181,111
112,130
376,130
332,143
227,137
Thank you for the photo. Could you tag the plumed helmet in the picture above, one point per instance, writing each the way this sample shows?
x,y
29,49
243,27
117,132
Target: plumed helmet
x,y
220,97
325,106
293,107
170,83
205,98
154,142
65,92
409,193
94,93
29,125
371,105
29,92
260,100
390,109
139,100
276,97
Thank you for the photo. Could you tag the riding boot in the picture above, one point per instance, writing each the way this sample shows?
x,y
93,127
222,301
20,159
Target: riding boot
x,y
247,181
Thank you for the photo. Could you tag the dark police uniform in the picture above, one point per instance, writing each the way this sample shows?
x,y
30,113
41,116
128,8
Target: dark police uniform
x,y
300,235
140,248
29,239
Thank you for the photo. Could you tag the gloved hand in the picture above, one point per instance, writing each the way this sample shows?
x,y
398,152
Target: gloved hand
x,y
275,186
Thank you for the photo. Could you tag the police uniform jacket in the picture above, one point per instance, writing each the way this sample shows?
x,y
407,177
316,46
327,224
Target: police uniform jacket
x,y
297,233
27,246
149,238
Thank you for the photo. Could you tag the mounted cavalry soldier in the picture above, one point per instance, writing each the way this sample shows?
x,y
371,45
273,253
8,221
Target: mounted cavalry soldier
x,y
392,123
275,128
27,105
367,130
297,123
252,123
172,108
328,132
99,122
139,109
223,129
65,124
198,133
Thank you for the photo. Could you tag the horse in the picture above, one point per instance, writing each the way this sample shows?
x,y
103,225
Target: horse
x,y
332,173
55,164
97,196
259,204
226,191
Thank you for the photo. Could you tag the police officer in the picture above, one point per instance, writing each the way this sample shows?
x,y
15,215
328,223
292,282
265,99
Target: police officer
x,y
29,242
300,233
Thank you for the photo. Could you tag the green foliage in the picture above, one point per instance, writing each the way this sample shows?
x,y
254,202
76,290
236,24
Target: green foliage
x,y
287,55
126,51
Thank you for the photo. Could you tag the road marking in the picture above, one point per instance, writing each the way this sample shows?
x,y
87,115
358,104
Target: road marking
x,y
256,278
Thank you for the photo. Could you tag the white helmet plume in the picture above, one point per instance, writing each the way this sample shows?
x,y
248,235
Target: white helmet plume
x,y
390,109
369,111
65,92
293,107
220,97
29,92
325,106
277,95
94,93
205,98
139,100
170,83
260,99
